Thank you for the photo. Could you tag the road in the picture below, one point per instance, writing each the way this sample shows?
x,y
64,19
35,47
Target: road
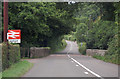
x,y
70,63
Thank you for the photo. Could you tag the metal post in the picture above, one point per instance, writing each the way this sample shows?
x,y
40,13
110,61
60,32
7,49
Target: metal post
x,y
5,20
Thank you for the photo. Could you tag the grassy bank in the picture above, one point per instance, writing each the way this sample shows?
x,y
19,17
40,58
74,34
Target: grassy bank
x,y
109,59
17,70
0,75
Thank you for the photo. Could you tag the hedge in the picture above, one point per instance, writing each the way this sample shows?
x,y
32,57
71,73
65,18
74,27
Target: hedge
x,y
10,55
82,48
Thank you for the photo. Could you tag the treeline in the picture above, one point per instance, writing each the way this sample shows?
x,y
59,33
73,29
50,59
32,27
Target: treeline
x,y
97,26
41,24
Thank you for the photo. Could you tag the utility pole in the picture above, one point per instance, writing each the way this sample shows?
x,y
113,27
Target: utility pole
x,y
5,20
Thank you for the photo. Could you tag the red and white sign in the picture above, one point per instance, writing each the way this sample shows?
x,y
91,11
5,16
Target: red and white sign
x,y
14,36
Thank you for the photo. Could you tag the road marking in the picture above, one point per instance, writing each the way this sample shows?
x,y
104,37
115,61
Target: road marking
x,y
71,61
77,65
81,64
86,73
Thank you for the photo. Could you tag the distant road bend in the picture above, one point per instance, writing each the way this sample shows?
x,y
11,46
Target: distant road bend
x,y
70,63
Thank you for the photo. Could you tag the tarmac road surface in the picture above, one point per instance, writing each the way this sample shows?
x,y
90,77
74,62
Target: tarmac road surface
x,y
70,63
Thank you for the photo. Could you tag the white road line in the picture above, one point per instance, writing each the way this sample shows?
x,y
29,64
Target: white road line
x,y
81,64
86,73
77,65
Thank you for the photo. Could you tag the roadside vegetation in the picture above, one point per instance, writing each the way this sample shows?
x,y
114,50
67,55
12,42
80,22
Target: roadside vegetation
x,y
42,24
45,24
98,28
58,46
107,58
0,75
17,70
82,48
10,55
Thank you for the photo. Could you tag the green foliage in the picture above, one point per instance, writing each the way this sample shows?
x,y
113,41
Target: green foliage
x,y
5,63
0,22
81,32
91,28
107,58
64,44
10,55
70,36
97,26
99,36
46,47
113,50
17,70
113,44
82,48
39,22
42,24
57,44
0,75
107,10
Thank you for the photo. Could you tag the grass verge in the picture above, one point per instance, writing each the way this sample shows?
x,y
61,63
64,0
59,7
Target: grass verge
x,y
0,75
18,69
109,59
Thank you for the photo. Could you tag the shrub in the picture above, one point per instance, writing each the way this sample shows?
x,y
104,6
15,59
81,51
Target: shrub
x,y
112,55
10,55
82,48
57,44
64,44
113,50
14,54
5,63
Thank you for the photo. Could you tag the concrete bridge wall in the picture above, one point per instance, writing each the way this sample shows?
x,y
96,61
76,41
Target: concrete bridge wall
x,y
92,52
36,52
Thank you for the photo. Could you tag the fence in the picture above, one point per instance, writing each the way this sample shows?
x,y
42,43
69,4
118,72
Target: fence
x,y
25,52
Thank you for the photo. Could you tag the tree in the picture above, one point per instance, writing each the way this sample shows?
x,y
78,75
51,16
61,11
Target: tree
x,y
40,22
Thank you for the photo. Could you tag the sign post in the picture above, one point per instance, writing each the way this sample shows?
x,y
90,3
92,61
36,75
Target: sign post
x,y
5,20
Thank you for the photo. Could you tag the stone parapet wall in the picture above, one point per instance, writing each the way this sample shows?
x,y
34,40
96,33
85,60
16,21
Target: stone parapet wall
x,y
92,52
36,52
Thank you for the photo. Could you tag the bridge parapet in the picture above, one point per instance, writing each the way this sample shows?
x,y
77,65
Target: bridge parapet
x,y
92,52
37,52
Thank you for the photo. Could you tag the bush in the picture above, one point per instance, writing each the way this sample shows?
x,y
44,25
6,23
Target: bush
x,y
14,54
112,55
64,44
70,36
113,50
82,48
10,55
5,63
57,44
107,58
